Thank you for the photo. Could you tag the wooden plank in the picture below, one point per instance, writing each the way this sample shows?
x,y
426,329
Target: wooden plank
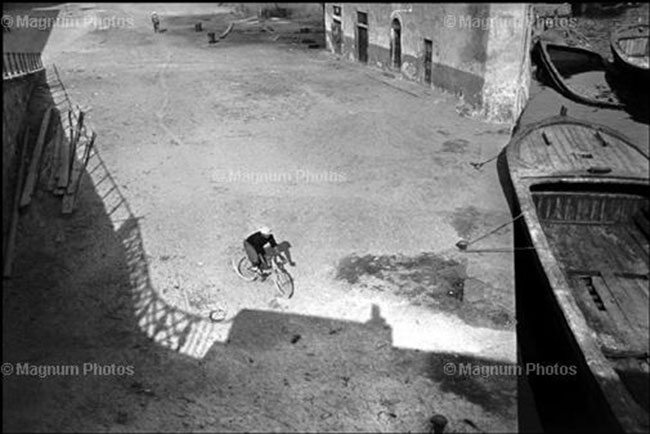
x,y
533,152
70,126
631,322
13,224
619,304
76,135
608,243
75,173
637,300
539,151
70,198
615,152
626,154
32,175
64,175
557,151
56,160
550,207
616,314
568,145
635,245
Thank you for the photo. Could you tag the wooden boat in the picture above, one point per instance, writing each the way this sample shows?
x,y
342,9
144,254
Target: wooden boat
x,y
582,190
578,73
631,50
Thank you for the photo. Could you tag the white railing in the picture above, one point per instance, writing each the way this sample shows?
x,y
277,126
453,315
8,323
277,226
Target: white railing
x,y
19,64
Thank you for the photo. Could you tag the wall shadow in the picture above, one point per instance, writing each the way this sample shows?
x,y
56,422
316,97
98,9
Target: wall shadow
x,y
306,350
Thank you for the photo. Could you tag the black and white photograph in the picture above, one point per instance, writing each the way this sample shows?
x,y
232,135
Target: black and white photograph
x,y
326,217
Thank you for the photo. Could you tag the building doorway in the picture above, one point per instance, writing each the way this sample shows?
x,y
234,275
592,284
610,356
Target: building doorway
x,y
362,37
396,43
362,44
428,59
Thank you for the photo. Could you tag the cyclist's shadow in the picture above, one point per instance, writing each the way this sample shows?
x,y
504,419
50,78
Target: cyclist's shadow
x,y
284,248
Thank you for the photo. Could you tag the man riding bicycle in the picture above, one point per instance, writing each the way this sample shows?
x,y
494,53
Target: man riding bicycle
x,y
255,244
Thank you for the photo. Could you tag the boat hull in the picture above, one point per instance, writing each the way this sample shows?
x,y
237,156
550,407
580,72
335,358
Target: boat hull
x,y
629,47
553,324
559,61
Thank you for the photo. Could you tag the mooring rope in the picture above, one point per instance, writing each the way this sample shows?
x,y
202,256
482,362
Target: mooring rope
x,y
478,166
463,244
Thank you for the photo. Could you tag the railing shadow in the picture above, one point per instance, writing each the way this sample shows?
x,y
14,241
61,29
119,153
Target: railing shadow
x,y
166,325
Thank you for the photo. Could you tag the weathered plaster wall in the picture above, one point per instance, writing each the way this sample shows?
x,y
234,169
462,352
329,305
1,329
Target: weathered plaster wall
x,y
507,69
470,44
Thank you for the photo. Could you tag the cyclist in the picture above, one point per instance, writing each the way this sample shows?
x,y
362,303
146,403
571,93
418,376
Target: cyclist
x,y
155,21
255,244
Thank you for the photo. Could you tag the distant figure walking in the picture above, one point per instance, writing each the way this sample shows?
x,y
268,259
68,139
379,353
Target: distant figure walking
x,y
155,21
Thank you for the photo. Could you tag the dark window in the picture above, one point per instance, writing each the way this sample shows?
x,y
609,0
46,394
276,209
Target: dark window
x,y
362,18
337,10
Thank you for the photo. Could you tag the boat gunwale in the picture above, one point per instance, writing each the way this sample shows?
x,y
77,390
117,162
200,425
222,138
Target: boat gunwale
x,y
630,415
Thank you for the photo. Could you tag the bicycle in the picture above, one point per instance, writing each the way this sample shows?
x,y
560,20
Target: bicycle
x,y
281,277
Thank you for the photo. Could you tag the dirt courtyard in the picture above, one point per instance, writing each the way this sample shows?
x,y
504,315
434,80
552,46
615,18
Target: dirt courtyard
x,y
367,176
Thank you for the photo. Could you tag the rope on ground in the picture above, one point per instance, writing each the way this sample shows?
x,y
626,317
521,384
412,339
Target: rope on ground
x,y
478,166
463,244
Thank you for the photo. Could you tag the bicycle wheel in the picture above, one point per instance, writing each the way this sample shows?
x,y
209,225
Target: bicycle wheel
x,y
283,283
245,269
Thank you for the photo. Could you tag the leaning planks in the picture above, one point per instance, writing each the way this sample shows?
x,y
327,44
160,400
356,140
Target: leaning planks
x,y
63,172
56,155
32,175
67,151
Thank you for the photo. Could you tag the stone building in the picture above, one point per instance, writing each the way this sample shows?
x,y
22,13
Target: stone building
x,y
478,51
